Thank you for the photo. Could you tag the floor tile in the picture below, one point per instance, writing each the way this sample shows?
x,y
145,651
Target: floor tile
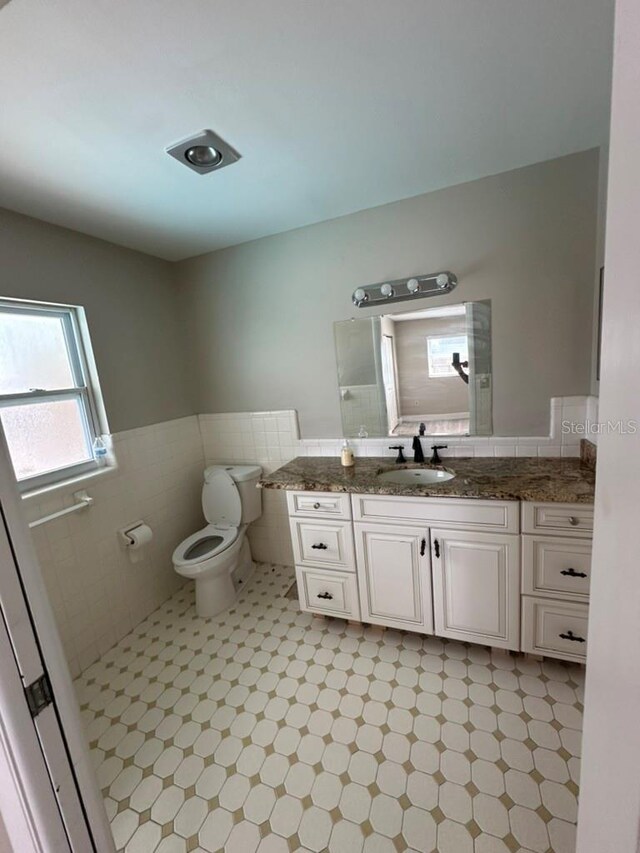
x,y
268,729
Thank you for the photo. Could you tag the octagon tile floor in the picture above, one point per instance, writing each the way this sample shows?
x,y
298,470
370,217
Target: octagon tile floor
x,y
273,730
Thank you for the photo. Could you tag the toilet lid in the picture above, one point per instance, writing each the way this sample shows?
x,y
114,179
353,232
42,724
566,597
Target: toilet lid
x,y
221,502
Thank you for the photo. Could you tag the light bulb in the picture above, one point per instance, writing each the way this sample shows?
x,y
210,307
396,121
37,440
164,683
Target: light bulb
x,y
360,295
413,285
386,290
442,280
203,155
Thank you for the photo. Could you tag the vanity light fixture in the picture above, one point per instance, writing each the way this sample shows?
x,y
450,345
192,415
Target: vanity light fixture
x,y
418,287
205,152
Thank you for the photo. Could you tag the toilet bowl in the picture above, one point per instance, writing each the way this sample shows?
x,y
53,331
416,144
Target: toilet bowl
x,y
219,554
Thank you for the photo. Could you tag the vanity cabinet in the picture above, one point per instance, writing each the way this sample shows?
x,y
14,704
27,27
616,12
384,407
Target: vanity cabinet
x,y
556,573
394,576
476,587
322,539
456,567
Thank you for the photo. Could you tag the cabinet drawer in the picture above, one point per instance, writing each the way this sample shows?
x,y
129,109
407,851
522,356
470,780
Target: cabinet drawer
x,y
557,629
331,593
571,519
324,544
319,504
555,566
454,513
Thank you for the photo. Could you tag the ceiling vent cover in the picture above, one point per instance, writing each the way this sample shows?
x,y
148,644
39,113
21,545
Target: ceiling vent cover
x,y
204,152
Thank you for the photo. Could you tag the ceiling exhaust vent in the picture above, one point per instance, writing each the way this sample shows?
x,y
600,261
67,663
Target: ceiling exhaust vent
x,y
204,152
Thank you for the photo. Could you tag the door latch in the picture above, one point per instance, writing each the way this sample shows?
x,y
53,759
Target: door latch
x,y
39,695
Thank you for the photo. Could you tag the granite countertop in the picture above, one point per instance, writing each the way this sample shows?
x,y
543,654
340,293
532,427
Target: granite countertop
x,y
551,480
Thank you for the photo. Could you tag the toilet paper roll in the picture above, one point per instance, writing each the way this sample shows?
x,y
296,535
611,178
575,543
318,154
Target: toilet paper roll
x,y
139,536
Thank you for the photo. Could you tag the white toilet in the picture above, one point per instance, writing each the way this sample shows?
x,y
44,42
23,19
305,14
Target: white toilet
x,y
218,557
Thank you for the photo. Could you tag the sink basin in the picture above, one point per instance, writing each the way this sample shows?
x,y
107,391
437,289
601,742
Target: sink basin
x,y
415,476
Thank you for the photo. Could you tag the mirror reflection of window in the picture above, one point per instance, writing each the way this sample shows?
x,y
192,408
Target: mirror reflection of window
x,y
440,351
396,372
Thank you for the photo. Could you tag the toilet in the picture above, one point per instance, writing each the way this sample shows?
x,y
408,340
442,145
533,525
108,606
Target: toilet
x,y
218,557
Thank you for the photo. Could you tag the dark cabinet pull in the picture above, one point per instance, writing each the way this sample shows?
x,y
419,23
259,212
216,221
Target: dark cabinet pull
x,y
423,547
571,636
320,547
571,573
326,595
436,547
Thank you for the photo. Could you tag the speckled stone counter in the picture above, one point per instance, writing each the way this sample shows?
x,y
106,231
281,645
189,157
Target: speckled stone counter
x,y
524,479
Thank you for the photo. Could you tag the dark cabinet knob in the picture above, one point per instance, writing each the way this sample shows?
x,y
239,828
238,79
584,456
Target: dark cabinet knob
x,y
320,547
436,547
423,547
571,573
316,505
571,636
326,595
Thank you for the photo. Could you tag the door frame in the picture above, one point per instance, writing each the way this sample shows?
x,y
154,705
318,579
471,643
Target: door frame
x,y
51,801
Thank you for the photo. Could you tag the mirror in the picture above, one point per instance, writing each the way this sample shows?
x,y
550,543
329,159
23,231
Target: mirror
x,y
426,370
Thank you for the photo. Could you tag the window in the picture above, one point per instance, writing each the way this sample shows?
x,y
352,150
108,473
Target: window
x,y
46,405
440,350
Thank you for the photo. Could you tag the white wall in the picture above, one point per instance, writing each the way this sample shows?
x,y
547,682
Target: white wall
x,y
609,815
259,316
96,593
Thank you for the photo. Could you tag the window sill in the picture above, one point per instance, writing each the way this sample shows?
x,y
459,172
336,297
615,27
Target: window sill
x,y
73,483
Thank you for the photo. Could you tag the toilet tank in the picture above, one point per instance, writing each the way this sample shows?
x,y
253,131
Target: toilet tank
x,y
246,478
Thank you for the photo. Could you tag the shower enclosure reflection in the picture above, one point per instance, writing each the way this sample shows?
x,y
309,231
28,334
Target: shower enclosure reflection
x,y
430,368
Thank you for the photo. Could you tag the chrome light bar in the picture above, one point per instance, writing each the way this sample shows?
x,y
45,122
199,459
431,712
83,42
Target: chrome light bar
x,y
417,287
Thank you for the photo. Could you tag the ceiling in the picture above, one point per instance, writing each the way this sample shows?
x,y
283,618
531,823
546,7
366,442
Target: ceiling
x,y
335,106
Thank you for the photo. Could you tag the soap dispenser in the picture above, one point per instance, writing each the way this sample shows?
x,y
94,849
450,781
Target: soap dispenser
x,y
346,457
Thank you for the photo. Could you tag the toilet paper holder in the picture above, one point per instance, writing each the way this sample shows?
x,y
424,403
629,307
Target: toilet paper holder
x,y
124,533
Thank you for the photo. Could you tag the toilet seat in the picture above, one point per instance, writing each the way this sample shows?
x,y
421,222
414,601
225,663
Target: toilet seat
x,y
201,546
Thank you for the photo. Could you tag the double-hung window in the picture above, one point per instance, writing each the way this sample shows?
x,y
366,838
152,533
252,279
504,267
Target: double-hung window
x,y
47,406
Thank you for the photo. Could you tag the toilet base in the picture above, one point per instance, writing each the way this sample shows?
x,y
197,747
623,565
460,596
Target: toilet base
x,y
213,595
218,593
244,570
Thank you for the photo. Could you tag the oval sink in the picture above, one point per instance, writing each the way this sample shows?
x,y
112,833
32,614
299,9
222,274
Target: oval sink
x,y
415,476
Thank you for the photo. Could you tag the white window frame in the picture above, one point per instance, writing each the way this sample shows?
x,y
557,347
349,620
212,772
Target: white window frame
x,y
452,372
82,390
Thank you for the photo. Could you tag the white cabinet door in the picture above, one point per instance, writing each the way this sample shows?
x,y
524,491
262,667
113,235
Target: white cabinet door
x,y
394,576
476,587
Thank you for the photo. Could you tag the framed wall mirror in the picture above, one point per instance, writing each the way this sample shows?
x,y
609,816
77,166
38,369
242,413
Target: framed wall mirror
x,y
426,370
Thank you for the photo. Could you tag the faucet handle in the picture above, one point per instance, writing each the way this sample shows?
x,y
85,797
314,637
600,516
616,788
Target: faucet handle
x,y
399,447
435,459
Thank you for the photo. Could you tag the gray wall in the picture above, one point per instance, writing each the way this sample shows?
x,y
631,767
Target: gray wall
x,y
260,315
131,307
419,393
